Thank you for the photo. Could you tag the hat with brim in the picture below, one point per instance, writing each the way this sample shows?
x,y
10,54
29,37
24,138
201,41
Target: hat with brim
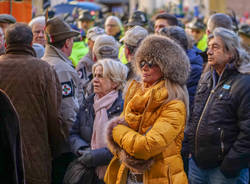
x,y
57,30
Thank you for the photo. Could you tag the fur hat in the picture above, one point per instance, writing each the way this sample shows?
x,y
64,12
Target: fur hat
x,y
168,55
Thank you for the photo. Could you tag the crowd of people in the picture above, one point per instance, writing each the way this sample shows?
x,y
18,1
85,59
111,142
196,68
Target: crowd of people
x,y
121,104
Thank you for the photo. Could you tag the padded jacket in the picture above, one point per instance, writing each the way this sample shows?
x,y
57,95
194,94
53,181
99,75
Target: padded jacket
x,y
219,129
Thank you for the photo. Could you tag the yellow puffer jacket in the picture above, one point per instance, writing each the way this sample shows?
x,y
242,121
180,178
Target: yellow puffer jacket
x,y
152,133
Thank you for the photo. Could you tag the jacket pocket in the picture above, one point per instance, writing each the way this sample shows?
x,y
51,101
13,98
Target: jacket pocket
x,y
222,145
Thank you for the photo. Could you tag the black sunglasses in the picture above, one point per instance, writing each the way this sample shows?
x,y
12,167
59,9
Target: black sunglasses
x,y
149,63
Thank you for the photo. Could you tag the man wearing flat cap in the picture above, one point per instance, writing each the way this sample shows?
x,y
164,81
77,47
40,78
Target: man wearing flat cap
x,y
59,38
132,40
6,20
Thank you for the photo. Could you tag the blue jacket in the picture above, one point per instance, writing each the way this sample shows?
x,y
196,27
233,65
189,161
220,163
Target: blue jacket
x,y
81,132
196,63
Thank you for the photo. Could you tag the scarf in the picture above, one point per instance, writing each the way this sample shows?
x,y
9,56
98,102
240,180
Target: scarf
x,y
101,105
136,107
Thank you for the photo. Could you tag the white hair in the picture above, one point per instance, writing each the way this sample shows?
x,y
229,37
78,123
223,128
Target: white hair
x,y
37,20
116,19
113,70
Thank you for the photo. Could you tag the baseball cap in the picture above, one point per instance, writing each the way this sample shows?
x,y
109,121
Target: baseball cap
x,y
134,35
94,32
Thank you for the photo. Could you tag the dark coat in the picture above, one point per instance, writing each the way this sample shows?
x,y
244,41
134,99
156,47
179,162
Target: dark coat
x,y
35,91
81,132
196,63
219,129
11,163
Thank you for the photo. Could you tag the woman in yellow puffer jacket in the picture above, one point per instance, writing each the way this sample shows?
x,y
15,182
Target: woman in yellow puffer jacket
x,y
146,139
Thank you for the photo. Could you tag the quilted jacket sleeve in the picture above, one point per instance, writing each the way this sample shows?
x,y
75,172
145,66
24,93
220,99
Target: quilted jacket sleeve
x,y
166,128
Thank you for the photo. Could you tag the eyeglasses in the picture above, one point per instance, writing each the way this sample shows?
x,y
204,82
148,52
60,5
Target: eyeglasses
x,y
149,63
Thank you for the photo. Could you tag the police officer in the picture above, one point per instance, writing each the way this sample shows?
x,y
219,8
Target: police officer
x,y
59,37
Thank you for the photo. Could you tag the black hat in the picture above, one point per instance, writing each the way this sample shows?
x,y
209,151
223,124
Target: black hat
x,y
138,18
245,29
197,24
85,15
6,18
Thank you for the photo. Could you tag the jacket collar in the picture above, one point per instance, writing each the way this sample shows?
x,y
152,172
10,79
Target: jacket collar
x,y
54,52
22,49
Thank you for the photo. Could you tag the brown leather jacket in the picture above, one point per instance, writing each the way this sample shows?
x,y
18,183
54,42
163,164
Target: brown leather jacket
x,y
34,89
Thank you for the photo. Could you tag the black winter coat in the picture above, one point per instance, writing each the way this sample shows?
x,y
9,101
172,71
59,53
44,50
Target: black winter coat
x,y
11,163
82,129
219,129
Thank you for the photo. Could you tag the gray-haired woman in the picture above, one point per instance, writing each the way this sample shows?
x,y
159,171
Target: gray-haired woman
x,y
87,135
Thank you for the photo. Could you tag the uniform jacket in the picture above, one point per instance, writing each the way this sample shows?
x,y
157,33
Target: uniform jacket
x,y
151,145
84,70
81,133
219,130
34,90
72,93
11,161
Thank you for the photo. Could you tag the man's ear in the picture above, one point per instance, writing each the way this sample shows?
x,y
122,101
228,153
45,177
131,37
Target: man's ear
x,y
67,42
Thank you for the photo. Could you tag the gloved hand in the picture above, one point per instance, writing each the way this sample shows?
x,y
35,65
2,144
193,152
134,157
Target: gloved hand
x,y
86,157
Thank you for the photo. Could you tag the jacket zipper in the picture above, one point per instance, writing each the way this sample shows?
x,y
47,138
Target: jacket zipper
x,y
196,133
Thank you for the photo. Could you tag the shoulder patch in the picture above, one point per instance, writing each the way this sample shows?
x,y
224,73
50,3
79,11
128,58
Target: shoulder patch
x,y
82,73
67,89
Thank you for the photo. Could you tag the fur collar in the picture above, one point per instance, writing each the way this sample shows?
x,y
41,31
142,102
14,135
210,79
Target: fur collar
x,y
136,165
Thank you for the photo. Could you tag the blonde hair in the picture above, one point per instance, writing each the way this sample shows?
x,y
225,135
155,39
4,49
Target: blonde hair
x,y
113,70
176,91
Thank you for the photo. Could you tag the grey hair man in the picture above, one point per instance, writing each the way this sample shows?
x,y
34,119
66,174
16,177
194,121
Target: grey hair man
x,y
132,40
214,21
219,129
37,25
113,27
34,90
59,45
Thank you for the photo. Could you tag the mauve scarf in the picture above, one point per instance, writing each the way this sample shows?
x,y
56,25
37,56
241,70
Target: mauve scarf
x,y
101,105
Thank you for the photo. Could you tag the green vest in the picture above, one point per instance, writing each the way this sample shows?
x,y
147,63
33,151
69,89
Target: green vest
x,y
79,50
202,44
122,55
